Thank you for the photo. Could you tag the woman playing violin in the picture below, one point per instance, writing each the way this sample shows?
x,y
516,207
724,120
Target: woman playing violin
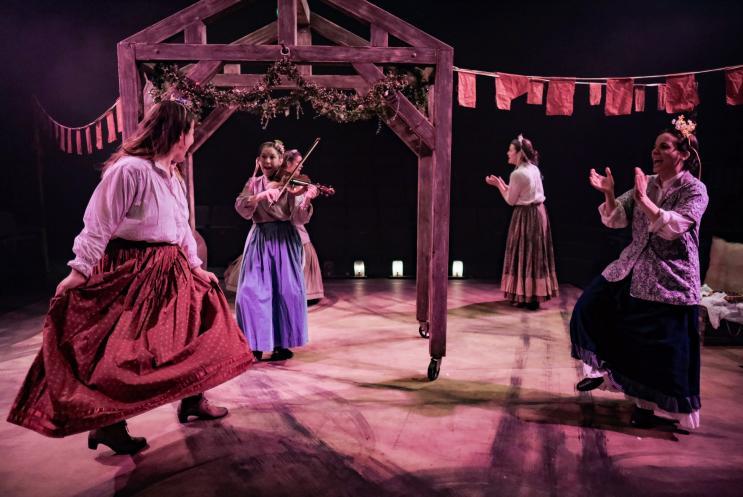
x,y
270,301
313,286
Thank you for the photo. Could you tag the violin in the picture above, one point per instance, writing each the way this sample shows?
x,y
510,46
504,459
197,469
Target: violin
x,y
297,184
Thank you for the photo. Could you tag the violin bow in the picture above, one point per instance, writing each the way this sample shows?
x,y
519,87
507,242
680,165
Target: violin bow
x,y
297,168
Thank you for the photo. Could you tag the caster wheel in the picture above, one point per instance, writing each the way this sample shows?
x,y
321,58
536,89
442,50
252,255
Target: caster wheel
x,y
433,368
423,330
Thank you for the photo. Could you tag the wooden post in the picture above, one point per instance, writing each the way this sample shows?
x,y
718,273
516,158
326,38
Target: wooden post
x,y
288,22
423,259
188,172
440,203
195,33
379,37
129,88
304,37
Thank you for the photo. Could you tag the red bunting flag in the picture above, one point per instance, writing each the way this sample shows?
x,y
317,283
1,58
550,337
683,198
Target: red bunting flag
x,y
639,98
110,127
536,92
68,147
508,87
61,138
681,93
594,93
560,97
99,135
88,143
78,142
734,86
661,97
467,89
618,97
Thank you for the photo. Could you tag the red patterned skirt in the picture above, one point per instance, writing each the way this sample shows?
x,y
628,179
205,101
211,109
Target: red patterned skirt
x,y
142,332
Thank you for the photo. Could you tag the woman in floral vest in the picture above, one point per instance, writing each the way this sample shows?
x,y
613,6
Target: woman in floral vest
x,y
635,326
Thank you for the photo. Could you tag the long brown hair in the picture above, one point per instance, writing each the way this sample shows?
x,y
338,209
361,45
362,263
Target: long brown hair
x,y
160,129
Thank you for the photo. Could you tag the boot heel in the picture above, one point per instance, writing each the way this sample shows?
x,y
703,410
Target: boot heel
x,y
92,443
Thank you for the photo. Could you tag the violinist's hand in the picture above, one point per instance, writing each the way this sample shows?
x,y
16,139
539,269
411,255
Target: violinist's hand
x,y
271,195
312,192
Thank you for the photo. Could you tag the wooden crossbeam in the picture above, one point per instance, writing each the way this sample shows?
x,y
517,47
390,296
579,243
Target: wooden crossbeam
x,y
205,70
303,13
371,73
177,22
331,81
371,14
313,54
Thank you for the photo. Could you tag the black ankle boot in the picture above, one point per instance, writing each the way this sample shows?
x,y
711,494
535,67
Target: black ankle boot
x,y
198,406
117,438
281,354
587,384
642,418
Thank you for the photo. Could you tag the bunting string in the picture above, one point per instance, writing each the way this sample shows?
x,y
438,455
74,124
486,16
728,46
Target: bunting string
x,y
677,92
88,137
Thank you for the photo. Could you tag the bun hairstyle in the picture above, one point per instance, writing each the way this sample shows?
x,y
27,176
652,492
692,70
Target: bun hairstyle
x,y
291,155
525,145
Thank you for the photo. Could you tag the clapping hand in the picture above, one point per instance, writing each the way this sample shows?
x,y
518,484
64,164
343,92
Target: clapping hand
x,y
604,184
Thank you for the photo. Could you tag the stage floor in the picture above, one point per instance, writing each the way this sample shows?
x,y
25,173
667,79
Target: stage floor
x,y
354,415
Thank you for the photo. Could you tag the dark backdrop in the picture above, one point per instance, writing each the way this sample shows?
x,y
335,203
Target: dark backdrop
x,y
64,52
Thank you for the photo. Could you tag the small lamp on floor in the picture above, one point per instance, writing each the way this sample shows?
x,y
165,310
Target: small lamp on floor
x,y
397,269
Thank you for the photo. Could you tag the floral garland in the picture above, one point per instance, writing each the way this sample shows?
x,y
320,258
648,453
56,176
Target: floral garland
x,y
338,105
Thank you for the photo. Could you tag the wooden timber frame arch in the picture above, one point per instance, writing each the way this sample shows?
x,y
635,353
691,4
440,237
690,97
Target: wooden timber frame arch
x,y
428,137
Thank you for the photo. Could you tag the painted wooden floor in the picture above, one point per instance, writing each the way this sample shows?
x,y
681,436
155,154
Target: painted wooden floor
x,y
354,415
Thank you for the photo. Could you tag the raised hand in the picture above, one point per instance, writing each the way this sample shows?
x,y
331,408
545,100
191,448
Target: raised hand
x,y
604,184
497,182
641,184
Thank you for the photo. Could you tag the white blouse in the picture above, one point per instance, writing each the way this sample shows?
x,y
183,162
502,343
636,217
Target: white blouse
x,y
138,201
525,186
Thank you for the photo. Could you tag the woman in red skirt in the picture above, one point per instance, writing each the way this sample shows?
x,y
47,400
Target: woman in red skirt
x,y
137,323
529,275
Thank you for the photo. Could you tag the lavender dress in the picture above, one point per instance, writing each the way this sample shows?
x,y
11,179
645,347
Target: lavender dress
x,y
270,300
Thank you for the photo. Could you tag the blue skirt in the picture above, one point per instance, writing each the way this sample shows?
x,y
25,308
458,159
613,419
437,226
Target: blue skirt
x,y
270,300
651,350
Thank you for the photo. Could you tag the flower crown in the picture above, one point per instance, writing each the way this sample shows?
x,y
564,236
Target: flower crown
x,y
686,128
279,146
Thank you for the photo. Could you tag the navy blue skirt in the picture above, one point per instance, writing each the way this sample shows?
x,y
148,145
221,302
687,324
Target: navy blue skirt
x,y
651,350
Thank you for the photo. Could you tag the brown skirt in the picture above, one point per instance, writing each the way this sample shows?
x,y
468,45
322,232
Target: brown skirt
x,y
312,274
142,332
529,266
